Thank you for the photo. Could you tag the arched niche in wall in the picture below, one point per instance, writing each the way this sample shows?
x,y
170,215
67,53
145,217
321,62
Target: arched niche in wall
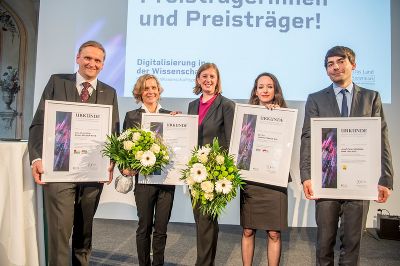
x,y
12,72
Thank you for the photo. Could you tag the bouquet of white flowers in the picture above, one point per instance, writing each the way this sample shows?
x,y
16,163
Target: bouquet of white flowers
x,y
137,149
212,177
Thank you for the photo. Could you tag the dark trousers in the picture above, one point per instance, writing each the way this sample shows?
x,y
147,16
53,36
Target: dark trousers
x,y
154,205
207,237
328,212
70,207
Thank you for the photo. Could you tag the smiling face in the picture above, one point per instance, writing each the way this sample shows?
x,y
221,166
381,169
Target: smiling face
x,y
208,80
91,61
265,90
340,70
151,92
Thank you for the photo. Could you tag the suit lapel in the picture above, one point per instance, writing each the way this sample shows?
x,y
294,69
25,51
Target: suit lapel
x,y
212,109
355,101
194,108
101,93
333,105
70,89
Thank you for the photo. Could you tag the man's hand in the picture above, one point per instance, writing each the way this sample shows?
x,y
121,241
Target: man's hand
x,y
383,194
37,171
307,188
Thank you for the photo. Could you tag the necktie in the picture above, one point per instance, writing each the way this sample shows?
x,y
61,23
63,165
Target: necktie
x,y
345,109
85,92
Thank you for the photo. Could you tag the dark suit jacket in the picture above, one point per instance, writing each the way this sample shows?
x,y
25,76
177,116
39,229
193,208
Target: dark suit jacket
x,y
217,122
365,103
134,118
62,87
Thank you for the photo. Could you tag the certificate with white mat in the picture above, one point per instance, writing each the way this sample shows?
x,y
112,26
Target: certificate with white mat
x,y
179,133
73,139
262,142
346,157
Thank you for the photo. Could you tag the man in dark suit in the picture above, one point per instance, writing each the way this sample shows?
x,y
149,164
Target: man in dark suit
x,y
71,206
342,98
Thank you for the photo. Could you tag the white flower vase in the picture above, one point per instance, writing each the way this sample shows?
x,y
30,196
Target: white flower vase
x,y
8,99
123,184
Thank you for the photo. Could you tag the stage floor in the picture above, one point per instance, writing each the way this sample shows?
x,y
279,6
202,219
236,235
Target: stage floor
x,y
114,244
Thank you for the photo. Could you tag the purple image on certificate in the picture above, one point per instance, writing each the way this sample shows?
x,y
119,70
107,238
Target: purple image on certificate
x,y
329,158
157,128
62,140
246,141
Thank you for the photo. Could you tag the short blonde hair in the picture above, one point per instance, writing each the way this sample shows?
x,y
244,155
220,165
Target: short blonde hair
x,y
197,87
140,85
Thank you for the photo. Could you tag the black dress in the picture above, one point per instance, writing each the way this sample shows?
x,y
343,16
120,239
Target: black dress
x,y
263,207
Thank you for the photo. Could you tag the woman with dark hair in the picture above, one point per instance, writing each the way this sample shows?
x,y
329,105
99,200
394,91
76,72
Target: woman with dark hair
x,y
264,206
215,120
153,201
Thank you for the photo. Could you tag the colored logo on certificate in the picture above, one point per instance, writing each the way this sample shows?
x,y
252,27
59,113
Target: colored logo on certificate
x,y
344,167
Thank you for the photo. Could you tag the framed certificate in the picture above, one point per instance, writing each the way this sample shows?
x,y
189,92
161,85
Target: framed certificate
x,y
262,142
346,157
179,133
73,138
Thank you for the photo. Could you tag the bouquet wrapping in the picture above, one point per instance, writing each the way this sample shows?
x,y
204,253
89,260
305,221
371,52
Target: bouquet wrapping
x,y
212,177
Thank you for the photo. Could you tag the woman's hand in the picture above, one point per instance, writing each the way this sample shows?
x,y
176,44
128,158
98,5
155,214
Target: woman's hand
x,y
271,106
128,172
175,113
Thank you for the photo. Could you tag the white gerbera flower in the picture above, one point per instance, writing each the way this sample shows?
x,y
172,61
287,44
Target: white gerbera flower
x,y
155,148
135,136
198,172
138,155
203,150
148,158
223,186
220,159
207,186
124,135
202,158
128,145
209,196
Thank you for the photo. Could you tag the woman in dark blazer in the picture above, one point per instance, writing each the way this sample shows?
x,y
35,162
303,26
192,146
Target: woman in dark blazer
x,y
215,120
154,202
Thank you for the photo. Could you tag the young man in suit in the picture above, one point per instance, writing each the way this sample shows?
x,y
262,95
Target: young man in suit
x,y
71,206
342,98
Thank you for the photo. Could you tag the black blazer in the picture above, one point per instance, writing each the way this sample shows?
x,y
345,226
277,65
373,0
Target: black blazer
x,y
365,103
217,122
62,87
134,118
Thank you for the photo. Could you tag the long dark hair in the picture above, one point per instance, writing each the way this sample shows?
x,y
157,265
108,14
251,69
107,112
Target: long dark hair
x,y
278,95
